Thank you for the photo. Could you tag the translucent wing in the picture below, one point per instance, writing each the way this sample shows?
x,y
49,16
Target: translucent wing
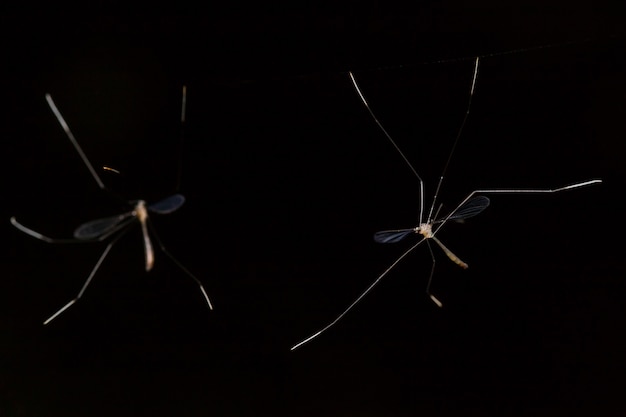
x,y
392,236
101,228
168,205
472,208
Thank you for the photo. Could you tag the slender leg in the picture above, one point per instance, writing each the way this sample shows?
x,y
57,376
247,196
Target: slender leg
x,y
87,282
183,112
380,125
38,235
71,137
363,294
180,265
456,140
430,277
116,228
518,191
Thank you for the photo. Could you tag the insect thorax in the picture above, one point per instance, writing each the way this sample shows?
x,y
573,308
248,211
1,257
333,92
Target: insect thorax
x,y
140,210
425,229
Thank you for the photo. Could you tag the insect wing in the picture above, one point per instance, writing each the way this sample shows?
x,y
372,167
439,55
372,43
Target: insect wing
x,y
392,236
100,227
168,205
472,208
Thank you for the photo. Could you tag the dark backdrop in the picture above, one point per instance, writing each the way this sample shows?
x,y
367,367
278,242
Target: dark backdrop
x,y
286,178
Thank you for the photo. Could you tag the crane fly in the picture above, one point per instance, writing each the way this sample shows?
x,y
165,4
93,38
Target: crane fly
x,y
100,229
430,224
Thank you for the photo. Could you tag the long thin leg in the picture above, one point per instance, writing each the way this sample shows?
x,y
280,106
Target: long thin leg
x,y
430,277
518,190
47,239
456,140
363,294
38,235
69,134
180,265
88,281
183,119
358,90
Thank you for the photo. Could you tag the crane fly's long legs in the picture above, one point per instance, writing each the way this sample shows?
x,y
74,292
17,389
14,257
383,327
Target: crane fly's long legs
x,y
89,278
69,134
471,206
183,106
183,119
100,229
180,265
363,294
430,277
456,140
397,235
458,135
467,208
358,90
38,235
516,191
120,222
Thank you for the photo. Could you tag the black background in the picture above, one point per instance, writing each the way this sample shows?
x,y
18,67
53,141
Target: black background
x,y
286,178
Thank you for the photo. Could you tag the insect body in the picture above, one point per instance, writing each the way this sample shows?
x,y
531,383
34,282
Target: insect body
x,y
473,207
429,225
100,229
